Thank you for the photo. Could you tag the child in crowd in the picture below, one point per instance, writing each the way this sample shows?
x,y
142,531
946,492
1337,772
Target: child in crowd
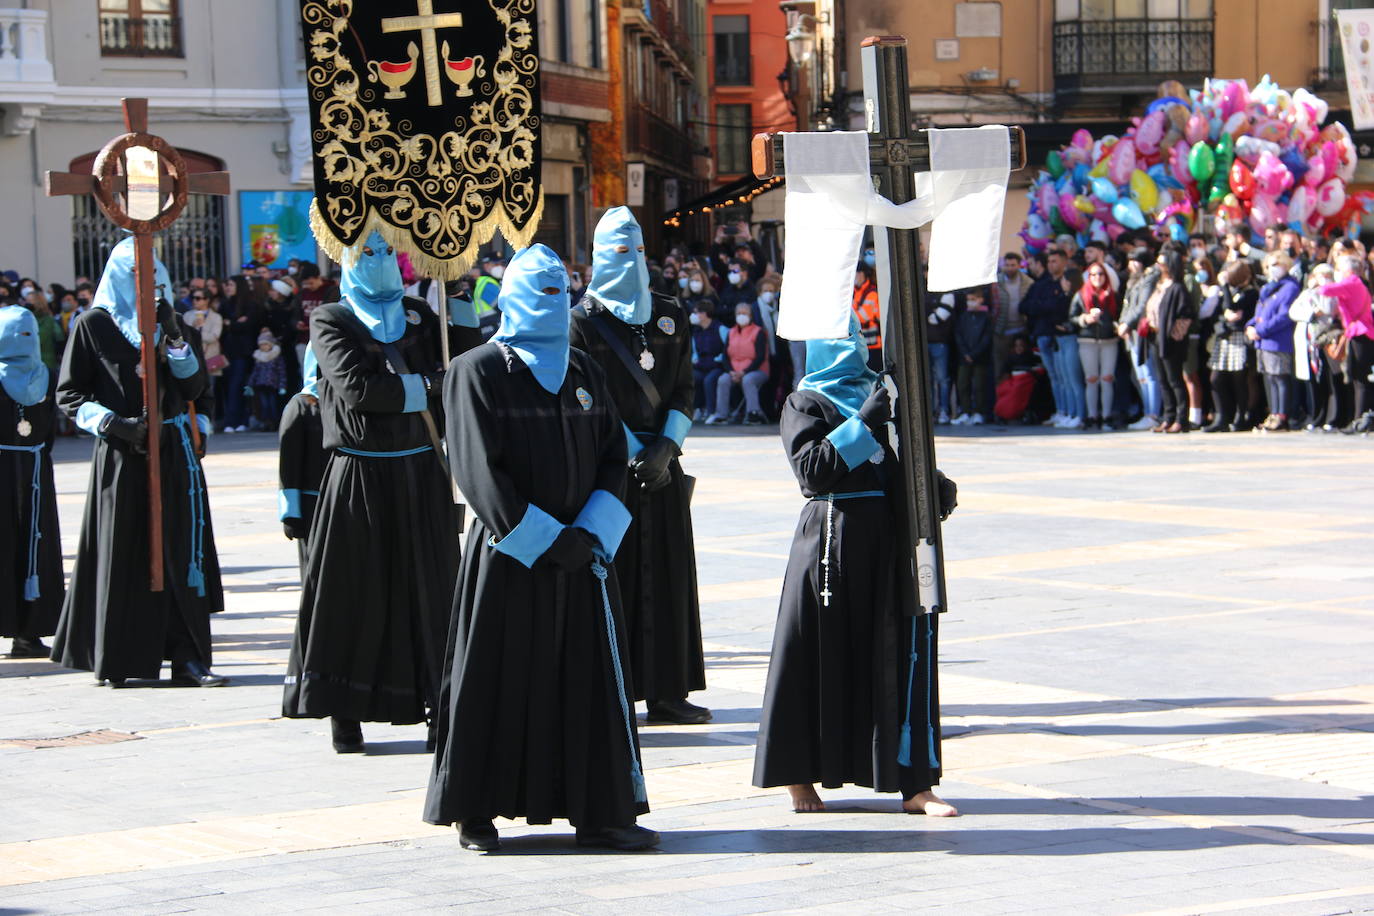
x,y
268,379
973,342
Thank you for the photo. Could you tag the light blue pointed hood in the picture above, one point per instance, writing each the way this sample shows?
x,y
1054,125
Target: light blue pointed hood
x,y
534,323
22,373
839,370
620,279
310,373
117,295
372,288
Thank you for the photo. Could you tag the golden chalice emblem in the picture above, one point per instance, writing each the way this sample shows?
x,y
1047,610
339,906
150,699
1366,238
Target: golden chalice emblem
x,y
463,70
394,76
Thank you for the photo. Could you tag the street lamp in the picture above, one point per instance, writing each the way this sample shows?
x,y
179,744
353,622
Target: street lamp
x,y
801,41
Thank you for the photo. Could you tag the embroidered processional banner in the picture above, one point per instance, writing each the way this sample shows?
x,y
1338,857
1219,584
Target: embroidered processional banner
x,y
424,125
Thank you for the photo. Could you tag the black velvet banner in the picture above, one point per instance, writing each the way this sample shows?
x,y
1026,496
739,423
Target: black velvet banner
x,y
424,125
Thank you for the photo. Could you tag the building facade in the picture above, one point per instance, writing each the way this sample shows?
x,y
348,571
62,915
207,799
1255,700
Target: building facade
x,y
751,80
226,85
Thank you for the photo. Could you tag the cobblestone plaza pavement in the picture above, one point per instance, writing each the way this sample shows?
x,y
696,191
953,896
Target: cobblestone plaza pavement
x,y
1158,689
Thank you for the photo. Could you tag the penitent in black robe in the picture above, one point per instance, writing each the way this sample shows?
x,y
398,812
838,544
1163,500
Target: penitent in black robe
x,y
532,721
30,548
657,564
837,692
112,623
379,580
300,464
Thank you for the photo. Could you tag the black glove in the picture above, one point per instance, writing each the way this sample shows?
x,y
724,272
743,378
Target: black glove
x,y
652,466
134,432
573,549
167,318
295,529
434,383
949,494
877,410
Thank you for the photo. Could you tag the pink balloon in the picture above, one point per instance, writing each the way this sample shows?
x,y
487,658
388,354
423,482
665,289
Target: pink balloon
x,y
1150,132
1300,205
1048,200
1234,97
1316,171
1262,213
1330,197
1114,230
1072,216
1197,128
1080,147
1122,161
1271,175
1178,164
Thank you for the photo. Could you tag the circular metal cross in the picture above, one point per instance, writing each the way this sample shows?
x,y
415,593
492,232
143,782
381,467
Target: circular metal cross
x,y
107,169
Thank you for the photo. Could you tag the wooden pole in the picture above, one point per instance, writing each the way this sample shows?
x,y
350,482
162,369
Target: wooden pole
x,y
152,412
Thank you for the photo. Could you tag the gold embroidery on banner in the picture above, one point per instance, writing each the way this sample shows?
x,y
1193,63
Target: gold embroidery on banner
x,y
435,197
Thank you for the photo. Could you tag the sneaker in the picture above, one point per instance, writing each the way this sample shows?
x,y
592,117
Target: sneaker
x,y
699,415
754,418
942,419
715,419
977,420
1145,422
1072,423
1055,419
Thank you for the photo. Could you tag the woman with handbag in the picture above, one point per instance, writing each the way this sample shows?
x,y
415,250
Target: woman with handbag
x,y
1230,353
204,315
1169,313
1320,379
1353,306
1271,331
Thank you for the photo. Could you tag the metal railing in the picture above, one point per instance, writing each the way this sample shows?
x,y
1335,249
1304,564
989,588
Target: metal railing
x,y
24,46
1116,52
149,36
659,137
193,246
734,70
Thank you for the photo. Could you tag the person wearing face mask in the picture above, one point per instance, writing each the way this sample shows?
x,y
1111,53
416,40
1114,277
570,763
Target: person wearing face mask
x,y
1230,361
1357,323
51,337
1324,394
747,358
536,719
487,286
643,343
112,623
852,695
1271,333
383,551
30,544
737,289
709,339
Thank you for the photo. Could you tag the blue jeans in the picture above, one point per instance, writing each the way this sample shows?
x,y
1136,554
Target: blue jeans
x,y
1070,371
939,373
1147,379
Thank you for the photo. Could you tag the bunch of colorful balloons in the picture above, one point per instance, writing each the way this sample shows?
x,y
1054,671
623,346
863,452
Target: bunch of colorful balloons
x,y
1256,155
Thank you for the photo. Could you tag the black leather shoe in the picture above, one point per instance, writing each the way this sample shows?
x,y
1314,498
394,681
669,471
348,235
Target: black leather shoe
x,y
194,674
479,836
347,735
114,683
677,712
24,647
626,839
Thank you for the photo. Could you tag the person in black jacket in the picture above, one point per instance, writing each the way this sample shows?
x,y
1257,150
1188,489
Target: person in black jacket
x,y
973,343
1046,307
1230,352
244,316
1169,313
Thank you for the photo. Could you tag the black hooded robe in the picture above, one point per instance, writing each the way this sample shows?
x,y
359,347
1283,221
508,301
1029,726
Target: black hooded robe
x,y
112,623
837,689
383,551
657,565
533,723
300,465
18,501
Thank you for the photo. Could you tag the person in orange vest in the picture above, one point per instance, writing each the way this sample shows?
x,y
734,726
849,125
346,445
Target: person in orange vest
x,y
870,313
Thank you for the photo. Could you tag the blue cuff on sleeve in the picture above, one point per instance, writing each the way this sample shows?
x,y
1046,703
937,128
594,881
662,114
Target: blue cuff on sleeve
x,y
415,393
632,444
677,426
90,415
184,364
462,313
528,540
606,519
853,441
288,504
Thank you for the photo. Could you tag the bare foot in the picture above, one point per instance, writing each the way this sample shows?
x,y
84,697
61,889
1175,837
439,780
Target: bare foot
x,y
929,804
804,798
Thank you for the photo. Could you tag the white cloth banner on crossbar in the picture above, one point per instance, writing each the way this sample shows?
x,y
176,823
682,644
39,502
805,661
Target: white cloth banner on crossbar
x,y
830,199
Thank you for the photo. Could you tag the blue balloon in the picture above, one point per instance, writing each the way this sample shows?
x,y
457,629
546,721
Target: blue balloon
x,y
1177,232
1161,176
1295,163
1127,213
1080,175
1104,190
1165,102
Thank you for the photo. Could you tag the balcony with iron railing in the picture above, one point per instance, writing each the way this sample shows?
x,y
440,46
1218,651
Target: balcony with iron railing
x,y
132,36
657,16
24,47
654,135
1116,54
734,71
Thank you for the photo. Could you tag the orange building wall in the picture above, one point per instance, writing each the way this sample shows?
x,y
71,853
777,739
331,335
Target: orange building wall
x,y
767,26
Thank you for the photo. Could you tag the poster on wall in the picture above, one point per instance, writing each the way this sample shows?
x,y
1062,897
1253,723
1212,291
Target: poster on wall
x,y
274,227
1357,43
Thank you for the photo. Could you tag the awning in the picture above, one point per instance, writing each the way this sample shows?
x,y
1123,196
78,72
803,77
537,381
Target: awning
x,y
734,194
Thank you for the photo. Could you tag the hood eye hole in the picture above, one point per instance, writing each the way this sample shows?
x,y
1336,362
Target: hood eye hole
x,y
622,249
368,251
552,290
639,248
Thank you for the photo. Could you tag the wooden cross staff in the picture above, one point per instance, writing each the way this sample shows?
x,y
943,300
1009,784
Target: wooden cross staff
x,y
141,184
896,153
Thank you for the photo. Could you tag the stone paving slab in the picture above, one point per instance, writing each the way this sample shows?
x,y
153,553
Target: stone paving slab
x,y
1157,687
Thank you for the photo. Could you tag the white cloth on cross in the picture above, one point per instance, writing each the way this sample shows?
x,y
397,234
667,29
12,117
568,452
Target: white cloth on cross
x,y
830,199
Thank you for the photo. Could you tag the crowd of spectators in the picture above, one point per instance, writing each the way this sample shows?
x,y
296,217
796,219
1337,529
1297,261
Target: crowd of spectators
x,y
1167,335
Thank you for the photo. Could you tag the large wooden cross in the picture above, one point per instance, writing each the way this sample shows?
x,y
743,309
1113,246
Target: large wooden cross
x,y
896,153
141,184
426,23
